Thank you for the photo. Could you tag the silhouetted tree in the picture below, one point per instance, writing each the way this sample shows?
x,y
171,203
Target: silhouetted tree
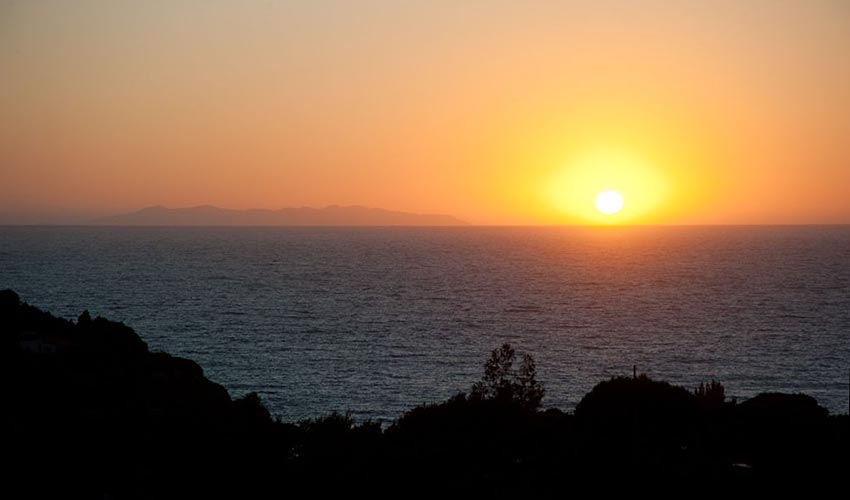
x,y
711,394
502,382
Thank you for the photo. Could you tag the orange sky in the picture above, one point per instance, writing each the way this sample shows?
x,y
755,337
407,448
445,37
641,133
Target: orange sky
x,y
496,112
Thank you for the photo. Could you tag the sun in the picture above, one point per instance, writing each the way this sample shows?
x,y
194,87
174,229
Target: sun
x,y
607,187
609,202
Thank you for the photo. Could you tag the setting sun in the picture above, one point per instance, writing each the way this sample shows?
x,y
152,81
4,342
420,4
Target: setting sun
x,y
582,189
609,202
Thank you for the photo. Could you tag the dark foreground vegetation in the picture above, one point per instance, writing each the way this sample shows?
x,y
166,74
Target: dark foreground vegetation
x,y
88,411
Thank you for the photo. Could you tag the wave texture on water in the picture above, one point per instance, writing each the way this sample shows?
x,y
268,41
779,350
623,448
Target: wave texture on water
x,y
378,320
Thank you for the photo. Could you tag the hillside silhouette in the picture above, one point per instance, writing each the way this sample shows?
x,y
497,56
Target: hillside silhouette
x,y
89,407
207,215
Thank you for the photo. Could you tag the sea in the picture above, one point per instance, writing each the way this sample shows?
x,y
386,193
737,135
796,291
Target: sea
x,y
374,321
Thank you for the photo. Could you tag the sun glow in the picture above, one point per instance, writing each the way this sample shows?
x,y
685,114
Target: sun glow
x,y
609,202
593,188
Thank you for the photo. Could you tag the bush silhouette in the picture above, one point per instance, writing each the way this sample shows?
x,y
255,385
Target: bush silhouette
x,y
90,412
780,433
637,423
250,412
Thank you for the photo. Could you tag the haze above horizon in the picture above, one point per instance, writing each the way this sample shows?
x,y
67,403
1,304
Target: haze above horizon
x,y
495,112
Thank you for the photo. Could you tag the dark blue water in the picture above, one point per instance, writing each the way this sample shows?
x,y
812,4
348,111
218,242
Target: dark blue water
x,y
377,320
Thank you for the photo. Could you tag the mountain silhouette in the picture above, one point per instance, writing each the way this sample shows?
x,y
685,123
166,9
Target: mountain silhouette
x,y
207,215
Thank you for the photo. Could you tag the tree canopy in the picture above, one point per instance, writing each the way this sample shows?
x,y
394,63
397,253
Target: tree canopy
x,y
504,382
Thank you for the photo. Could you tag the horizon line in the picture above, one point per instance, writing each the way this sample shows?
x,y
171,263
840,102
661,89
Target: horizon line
x,y
454,226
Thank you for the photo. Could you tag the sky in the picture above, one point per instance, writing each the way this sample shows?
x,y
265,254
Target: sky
x,y
497,112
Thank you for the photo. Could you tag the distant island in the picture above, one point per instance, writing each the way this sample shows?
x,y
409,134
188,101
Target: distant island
x,y
208,215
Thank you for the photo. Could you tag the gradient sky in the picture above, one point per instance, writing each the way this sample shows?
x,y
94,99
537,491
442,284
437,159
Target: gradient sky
x,y
496,112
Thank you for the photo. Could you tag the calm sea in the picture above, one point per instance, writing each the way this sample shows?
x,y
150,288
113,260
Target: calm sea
x,y
378,320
